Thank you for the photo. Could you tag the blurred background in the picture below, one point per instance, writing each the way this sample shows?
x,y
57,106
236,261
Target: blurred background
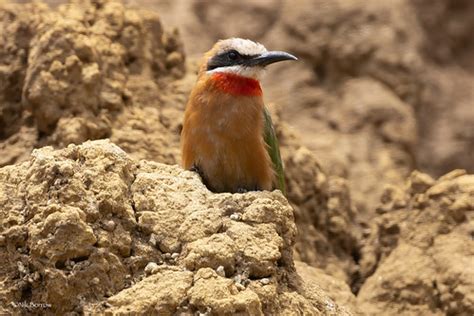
x,y
382,88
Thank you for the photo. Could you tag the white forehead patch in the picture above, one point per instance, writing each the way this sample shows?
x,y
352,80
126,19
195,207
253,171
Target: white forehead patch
x,y
243,46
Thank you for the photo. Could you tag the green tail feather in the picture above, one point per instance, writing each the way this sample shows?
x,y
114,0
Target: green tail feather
x,y
274,151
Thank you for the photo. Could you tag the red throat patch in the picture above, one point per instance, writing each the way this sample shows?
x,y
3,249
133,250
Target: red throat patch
x,y
236,85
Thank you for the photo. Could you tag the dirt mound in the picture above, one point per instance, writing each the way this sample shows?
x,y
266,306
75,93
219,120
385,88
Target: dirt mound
x,y
88,229
67,71
420,248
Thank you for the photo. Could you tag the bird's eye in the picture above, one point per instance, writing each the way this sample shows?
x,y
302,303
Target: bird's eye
x,y
233,55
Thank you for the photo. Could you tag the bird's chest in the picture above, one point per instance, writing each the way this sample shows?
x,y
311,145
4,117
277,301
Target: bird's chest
x,y
235,159
234,123
230,118
225,137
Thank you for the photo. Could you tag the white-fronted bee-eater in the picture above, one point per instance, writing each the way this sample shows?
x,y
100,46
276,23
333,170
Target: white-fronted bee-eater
x,y
228,135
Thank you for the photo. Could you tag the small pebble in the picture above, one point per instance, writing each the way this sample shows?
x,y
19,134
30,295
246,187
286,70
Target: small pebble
x,y
220,271
245,282
153,239
173,59
21,268
238,279
240,287
109,225
453,306
2,240
235,216
330,305
174,255
167,255
265,281
151,268
95,280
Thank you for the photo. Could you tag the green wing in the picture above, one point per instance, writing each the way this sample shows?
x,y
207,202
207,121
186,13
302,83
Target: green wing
x,y
274,150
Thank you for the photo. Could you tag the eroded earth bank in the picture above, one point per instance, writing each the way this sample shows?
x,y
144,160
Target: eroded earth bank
x,y
97,218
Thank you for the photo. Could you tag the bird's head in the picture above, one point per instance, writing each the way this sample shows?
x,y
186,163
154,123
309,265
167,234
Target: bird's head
x,y
240,57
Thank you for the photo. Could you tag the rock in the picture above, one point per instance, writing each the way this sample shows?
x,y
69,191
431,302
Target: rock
x,y
337,289
162,292
174,255
420,182
265,281
234,216
424,252
151,268
144,199
330,236
65,74
109,226
220,271
20,25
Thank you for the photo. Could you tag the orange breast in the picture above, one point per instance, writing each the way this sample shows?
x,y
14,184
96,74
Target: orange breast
x,y
222,135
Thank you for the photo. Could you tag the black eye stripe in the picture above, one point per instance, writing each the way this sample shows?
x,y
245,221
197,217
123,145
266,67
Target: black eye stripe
x,y
223,60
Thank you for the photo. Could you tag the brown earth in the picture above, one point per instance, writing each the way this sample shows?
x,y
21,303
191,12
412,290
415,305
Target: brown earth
x,y
67,73
364,107
420,252
88,229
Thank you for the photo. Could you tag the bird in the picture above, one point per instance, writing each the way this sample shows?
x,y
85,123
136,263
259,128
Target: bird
x,y
227,134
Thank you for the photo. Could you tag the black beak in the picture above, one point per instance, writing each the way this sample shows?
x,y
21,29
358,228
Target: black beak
x,y
268,58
